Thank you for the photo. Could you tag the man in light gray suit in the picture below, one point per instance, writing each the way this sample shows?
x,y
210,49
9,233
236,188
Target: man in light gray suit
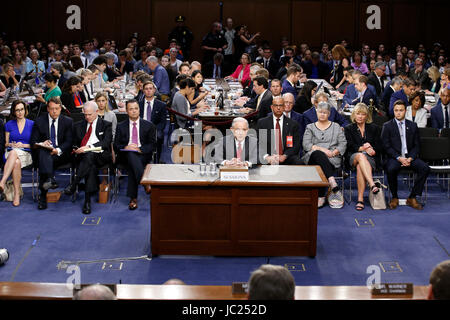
x,y
238,148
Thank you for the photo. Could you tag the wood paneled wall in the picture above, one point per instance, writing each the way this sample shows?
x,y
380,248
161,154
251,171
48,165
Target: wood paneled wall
x,y
310,21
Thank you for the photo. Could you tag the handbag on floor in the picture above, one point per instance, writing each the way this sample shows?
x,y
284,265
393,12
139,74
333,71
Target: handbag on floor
x,y
9,191
378,201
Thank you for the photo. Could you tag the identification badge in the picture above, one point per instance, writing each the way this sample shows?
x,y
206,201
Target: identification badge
x,y
289,141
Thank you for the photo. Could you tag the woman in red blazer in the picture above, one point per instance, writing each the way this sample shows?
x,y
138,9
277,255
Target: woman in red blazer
x,y
242,72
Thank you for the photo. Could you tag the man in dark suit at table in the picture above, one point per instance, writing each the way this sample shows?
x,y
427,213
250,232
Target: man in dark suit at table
x,y
269,62
440,113
281,135
52,139
316,69
263,100
409,87
376,78
291,114
216,69
401,143
92,132
236,149
393,86
155,111
292,78
351,94
420,75
134,143
366,95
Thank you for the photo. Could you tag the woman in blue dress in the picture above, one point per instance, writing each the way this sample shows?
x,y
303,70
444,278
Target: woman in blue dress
x,y
18,149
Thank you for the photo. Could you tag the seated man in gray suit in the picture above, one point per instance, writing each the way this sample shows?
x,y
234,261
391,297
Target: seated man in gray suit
x,y
238,148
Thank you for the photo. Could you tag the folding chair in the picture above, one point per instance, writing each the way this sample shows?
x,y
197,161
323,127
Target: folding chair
x,y
436,152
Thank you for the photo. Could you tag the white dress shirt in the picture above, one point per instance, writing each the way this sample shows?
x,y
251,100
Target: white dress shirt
x,y
443,112
147,104
403,128
93,138
275,132
261,96
50,121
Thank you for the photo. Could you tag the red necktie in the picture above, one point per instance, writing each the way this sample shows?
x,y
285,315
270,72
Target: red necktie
x,y
87,136
279,141
239,150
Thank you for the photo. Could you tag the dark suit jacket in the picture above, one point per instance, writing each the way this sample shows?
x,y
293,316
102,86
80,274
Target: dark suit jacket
x,y
290,128
264,105
386,97
437,116
355,140
422,78
248,91
287,87
323,69
159,115
272,67
310,116
103,132
392,144
225,149
67,101
370,95
297,117
41,132
373,80
398,95
208,69
147,136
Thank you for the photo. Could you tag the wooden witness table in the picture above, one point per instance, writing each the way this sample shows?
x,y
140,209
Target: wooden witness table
x,y
273,214
62,291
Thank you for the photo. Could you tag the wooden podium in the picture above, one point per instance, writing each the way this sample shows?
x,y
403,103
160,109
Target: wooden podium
x,y
273,214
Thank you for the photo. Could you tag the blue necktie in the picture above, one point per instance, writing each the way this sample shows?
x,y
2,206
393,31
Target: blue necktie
x,y
53,134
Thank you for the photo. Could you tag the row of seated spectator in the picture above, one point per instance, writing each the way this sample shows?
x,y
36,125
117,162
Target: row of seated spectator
x,y
55,140
321,64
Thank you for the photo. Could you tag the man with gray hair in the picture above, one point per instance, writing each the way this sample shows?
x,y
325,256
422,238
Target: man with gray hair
x,y
95,292
419,74
160,77
237,149
439,288
393,86
195,65
271,282
92,132
376,78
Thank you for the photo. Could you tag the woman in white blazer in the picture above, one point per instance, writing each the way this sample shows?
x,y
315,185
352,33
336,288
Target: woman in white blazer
x,y
416,112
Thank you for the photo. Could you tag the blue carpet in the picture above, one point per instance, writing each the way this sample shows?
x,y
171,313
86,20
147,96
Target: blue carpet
x,y
404,244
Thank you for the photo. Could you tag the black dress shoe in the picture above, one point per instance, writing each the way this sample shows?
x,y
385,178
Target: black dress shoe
x,y
70,189
42,204
50,184
87,207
